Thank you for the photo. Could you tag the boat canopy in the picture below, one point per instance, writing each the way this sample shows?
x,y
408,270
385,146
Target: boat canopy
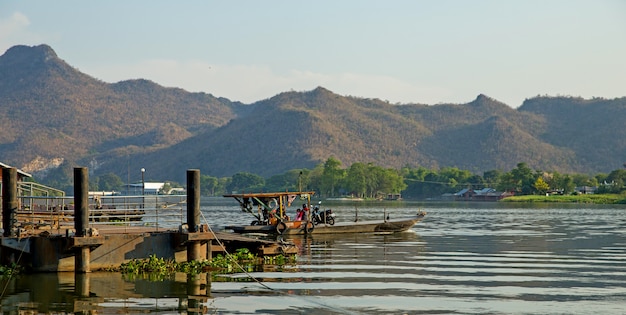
x,y
271,202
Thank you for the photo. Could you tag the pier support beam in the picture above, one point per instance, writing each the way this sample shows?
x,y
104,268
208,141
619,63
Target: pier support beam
x,y
81,217
9,201
193,212
9,211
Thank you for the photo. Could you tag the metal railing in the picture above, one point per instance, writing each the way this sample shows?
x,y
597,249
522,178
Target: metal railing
x,y
154,211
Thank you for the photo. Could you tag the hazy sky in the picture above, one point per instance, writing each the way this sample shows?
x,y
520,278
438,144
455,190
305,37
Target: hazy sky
x,y
412,51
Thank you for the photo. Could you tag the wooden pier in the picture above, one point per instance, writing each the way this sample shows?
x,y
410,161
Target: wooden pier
x,y
85,246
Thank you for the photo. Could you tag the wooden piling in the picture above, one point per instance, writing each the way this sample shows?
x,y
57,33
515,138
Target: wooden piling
x,y
9,211
193,212
81,200
9,201
81,217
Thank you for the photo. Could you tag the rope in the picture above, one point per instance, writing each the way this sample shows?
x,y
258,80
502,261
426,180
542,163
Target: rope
x,y
263,284
12,273
221,244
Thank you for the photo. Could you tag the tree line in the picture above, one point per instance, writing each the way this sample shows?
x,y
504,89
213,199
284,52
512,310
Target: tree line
x,y
370,181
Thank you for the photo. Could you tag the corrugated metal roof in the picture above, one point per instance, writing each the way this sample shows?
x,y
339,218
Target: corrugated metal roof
x,y
18,170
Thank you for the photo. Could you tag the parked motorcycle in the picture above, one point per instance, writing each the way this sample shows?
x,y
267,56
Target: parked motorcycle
x,y
327,216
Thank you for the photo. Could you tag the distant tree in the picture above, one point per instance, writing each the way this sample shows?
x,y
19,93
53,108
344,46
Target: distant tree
x,y
600,178
567,184
476,182
208,184
222,183
391,182
356,179
332,175
414,178
315,179
291,180
614,182
246,182
454,176
618,177
304,179
585,180
563,182
507,182
541,186
433,186
61,178
525,178
166,189
490,178
94,183
373,181
110,182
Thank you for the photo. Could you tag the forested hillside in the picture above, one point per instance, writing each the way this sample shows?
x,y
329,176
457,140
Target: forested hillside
x,y
56,117
53,111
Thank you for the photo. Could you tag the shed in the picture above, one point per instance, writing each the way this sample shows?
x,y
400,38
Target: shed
x,y
21,175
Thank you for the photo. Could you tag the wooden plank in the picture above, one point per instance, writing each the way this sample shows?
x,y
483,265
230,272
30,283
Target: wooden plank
x,y
198,236
80,241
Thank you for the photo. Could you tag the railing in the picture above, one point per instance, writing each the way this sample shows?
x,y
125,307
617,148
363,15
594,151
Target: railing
x,y
155,211
36,189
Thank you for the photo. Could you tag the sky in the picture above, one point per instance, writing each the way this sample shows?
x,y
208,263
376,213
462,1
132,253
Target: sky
x,y
425,52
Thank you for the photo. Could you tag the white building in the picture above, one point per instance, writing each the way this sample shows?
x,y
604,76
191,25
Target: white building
x,y
147,188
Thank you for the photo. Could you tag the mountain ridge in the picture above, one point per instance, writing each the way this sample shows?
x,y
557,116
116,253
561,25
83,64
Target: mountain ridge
x,y
53,112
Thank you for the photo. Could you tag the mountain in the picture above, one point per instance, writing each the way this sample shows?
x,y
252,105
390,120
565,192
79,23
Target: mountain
x,y
593,129
54,112
55,115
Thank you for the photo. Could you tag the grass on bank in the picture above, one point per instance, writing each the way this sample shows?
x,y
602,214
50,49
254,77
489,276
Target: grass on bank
x,y
583,198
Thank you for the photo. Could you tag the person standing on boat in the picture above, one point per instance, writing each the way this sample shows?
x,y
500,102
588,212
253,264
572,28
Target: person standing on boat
x,y
299,214
305,212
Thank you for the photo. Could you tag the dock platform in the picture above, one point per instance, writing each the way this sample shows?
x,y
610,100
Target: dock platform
x,y
80,238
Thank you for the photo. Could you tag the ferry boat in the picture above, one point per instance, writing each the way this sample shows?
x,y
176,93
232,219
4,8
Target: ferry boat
x,y
270,217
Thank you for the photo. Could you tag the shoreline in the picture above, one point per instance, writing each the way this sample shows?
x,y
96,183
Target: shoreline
x,y
609,199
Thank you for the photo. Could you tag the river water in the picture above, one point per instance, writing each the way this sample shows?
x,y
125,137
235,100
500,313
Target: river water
x,y
464,258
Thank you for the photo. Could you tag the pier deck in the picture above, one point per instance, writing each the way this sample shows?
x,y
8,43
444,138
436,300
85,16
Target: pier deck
x,y
85,233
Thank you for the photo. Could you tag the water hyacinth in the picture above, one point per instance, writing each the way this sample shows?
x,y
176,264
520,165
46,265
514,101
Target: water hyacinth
x,y
241,261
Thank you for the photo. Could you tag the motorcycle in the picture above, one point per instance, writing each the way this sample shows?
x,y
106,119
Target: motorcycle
x,y
327,216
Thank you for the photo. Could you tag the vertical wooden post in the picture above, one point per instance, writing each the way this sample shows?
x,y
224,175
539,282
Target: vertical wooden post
x,y
9,201
81,200
193,212
81,216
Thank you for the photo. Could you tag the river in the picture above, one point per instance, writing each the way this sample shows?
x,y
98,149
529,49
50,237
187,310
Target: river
x,y
464,258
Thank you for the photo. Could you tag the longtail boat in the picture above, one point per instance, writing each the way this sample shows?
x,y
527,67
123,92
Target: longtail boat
x,y
270,217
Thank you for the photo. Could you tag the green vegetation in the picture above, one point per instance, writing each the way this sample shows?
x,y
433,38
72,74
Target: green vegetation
x,y
582,198
157,269
369,181
279,143
122,127
8,271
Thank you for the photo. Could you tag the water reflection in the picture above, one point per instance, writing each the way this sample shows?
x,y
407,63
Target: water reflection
x,y
96,292
462,259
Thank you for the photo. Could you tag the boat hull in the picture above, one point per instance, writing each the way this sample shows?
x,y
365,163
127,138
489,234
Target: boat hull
x,y
372,226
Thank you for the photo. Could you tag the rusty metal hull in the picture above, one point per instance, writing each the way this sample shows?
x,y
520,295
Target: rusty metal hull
x,y
373,226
